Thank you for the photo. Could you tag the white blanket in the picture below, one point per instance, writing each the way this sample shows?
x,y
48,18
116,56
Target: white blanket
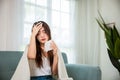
x,y
22,71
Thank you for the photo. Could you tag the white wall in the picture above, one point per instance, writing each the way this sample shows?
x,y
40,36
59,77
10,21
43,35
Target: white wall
x,y
110,10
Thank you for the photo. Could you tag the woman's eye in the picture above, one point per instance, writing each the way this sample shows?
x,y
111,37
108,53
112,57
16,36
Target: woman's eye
x,y
44,31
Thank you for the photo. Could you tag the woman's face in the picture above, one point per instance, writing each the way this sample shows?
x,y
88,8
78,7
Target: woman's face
x,y
42,36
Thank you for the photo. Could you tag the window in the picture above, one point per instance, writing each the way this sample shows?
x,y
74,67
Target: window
x,y
34,10
57,14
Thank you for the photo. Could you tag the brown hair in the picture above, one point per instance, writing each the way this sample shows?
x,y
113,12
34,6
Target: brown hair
x,y
39,51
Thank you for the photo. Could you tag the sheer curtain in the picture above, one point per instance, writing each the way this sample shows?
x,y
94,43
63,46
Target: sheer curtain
x,y
11,24
57,13
72,23
17,17
87,32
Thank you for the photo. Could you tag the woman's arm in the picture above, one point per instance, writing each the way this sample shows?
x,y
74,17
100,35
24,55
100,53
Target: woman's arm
x,y
55,58
32,46
55,65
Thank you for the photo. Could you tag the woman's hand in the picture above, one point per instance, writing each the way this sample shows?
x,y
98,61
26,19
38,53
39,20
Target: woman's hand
x,y
32,46
55,60
54,47
36,28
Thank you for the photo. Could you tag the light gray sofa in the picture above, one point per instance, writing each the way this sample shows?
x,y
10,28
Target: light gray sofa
x,y
10,59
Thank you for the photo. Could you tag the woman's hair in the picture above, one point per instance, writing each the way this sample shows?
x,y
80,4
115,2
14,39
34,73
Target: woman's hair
x,y
39,50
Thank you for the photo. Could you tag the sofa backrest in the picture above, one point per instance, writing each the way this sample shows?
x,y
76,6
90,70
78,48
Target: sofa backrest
x,y
65,57
8,63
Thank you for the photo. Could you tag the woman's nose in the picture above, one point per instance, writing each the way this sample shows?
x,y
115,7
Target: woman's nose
x,y
42,34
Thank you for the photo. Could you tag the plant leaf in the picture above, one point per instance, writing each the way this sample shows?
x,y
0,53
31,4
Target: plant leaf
x,y
114,61
109,42
102,26
116,34
106,27
117,48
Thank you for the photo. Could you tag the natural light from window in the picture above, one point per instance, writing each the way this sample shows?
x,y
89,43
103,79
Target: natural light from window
x,y
57,14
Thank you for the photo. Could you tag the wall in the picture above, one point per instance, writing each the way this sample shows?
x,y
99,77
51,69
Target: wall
x,y
110,10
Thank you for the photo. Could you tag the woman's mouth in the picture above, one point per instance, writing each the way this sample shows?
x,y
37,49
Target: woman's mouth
x,y
43,39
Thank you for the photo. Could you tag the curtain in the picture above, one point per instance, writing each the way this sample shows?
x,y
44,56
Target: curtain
x,y
11,24
86,32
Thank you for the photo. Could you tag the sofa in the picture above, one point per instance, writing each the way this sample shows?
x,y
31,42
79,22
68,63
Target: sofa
x,y
10,59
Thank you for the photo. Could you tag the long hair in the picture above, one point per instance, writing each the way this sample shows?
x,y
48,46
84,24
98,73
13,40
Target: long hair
x,y
39,51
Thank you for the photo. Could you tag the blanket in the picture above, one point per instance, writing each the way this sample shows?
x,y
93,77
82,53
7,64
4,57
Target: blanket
x,y
22,71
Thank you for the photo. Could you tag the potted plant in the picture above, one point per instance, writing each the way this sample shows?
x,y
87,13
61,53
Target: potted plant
x,y
113,41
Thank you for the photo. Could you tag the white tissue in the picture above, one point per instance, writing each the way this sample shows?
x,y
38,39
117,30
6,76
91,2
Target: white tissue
x,y
48,46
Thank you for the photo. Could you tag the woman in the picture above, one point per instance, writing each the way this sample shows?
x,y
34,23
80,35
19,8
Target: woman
x,y
44,64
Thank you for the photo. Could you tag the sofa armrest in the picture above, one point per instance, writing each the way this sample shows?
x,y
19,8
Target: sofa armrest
x,y
83,72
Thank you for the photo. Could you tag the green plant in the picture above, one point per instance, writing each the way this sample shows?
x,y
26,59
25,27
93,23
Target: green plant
x,y
113,41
